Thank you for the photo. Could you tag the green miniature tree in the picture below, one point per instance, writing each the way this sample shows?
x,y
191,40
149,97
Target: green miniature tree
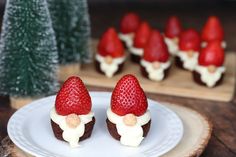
x,y
28,53
71,24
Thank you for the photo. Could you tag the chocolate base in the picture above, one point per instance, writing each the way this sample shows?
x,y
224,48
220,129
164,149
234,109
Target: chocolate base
x,y
179,63
113,130
145,73
197,79
98,69
87,132
135,58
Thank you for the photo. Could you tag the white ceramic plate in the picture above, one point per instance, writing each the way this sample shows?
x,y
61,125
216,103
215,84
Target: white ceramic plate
x,y
29,128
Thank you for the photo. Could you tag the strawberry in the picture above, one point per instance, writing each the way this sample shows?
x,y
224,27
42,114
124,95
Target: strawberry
x,y
129,23
110,44
128,97
212,30
190,40
156,49
73,97
173,27
142,35
212,54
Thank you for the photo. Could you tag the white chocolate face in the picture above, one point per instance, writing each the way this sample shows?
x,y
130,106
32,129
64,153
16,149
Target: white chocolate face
x,y
130,120
73,120
156,65
108,60
211,69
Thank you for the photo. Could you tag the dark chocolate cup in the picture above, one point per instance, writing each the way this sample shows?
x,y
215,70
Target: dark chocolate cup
x,y
113,130
179,63
87,133
135,58
197,79
98,69
145,73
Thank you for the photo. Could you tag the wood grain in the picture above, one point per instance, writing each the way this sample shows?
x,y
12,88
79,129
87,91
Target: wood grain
x,y
178,83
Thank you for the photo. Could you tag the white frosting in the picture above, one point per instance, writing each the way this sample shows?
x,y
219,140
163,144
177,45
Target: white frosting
x,y
109,69
210,78
155,74
130,135
223,44
136,51
127,38
189,63
173,47
71,135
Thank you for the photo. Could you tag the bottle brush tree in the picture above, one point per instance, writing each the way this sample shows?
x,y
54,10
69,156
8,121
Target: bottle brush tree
x,y
28,52
71,24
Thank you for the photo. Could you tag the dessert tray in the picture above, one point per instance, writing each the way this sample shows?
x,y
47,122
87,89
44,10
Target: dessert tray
x,y
29,129
178,83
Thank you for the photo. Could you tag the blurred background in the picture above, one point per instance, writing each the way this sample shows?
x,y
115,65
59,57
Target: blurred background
x,y
193,13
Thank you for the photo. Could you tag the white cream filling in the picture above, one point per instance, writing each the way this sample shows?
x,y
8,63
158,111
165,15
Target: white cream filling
x,y
223,44
210,78
173,46
155,74
71,135
109,69
130,135
127,38
189,63
136,51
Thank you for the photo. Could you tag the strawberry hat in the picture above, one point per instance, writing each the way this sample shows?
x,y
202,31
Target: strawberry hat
x,y
73,98
156,49
142,35
129,23
212,30
128,97
190,40
173,27
212,54
110,44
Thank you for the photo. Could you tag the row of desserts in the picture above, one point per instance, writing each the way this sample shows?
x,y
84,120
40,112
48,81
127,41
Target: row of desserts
x,y
151,47
128,117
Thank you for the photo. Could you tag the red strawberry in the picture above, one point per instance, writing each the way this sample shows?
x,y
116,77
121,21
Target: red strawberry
x,y
173,27
212,54
129,23
156,49
142,35
190,40
212,30
128,97
73,97
110,44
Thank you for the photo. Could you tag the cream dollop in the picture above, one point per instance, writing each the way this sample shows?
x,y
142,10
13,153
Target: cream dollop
x,y
130,135
210,78
109,68
136,51
172,45
155,74
71,135
189,62
127,38
223,44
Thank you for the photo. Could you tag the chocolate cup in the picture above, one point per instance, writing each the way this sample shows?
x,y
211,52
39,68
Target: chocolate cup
x,y
197,79
179,63
98,69
135,58
113,130
87,132
145,73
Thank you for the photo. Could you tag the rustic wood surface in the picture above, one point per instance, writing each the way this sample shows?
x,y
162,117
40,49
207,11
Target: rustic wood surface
x,y
223,115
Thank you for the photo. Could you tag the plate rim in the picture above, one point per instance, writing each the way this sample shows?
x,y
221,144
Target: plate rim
x,y
92,94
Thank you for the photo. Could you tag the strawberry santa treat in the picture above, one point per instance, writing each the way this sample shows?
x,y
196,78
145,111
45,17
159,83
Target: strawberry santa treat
x,y
189,47
128,26
156,59
140,40
110,57
128,119
173,29
213,31
72,119
210,69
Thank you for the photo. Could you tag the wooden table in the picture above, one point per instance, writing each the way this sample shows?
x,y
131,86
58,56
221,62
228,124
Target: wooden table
x,y
223,115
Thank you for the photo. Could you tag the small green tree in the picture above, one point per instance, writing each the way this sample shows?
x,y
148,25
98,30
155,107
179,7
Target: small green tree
x,y
28,53
71,24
